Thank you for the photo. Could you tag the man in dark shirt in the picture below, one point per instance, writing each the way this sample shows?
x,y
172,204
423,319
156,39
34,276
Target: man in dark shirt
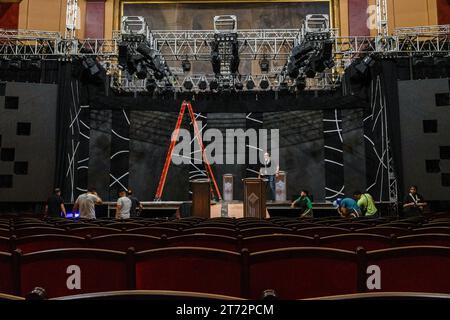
x,y
55,204
414,203
135,203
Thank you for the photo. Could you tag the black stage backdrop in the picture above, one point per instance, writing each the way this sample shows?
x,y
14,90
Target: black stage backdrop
x,y
113,142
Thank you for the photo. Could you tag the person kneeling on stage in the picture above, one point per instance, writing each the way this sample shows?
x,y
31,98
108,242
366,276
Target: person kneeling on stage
x,y
366,204
304,203
347,208
123,206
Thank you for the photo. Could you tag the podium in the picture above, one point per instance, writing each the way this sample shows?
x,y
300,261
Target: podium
x,y
254,198
280,186
201,198
228,187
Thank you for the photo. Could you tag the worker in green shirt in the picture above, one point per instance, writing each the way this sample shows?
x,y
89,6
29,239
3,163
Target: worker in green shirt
x,y
304,203
366,204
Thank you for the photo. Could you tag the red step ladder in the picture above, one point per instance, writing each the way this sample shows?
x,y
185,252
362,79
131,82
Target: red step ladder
x,y
173,141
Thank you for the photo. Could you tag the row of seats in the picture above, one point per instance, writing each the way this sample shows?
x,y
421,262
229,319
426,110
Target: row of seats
x,y
294,273
122,241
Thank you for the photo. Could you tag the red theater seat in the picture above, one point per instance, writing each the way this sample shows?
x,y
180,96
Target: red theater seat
x,y
65,272
321,231
5,244
265,230
413,269
33,225
124,225
43,242
204,240
296,273
122,241
154,231
93,231
202,270
425,239
227,225
6,273
216,230
301,225
351,225
37,230
276,241
351,241
385,231
425,229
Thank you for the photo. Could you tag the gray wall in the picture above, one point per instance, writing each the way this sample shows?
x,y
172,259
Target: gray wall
x,y
37,106
417,99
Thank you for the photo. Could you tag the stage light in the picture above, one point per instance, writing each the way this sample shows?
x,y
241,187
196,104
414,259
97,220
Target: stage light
x,y
186,65
238,85
264,84
35,63
284,87
300,84
215,57
15,63
250,85
264,64
203,83
214,84
151,85
234,61
188,84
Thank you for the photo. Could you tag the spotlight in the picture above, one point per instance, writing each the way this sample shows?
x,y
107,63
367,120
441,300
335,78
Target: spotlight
x,y
214,84
141,71
234,62
264,84
151,85
300,84
188,84
186,65
215,57
250,84
238,85
203,83
284,87
15,64
264,64
35,63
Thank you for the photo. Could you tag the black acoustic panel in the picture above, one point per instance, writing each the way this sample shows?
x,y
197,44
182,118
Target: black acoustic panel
x,y
442,99
23,128
21,167
430,126
6,181
432,166
11,102
7,154
445,152
2,88
445,179
0,140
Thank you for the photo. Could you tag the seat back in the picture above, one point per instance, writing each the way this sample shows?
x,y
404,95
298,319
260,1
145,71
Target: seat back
x,y
445,230
93,231
351,241
201,270
321,231
154,231
265,230
37,230
123,241
214,241
213,230
413,269
5,244
124,225
64,272
6,273
385,231
424,239
43,242
276,241
307,272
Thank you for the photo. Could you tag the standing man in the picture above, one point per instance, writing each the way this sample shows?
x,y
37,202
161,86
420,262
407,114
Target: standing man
x,y
55,204
123,206
266,172
135,204
366,204
305,204
414,203
347,208
86,203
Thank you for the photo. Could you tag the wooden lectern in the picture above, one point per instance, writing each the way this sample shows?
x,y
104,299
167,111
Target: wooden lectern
x,y
254,198
201,198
